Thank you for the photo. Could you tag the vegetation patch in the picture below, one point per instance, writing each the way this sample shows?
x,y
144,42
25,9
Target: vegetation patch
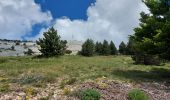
x,y
69,81
89,94
4,88
137,94
29,79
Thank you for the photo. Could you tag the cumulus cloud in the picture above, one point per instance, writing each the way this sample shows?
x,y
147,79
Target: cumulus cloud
x,y
17,18
107,19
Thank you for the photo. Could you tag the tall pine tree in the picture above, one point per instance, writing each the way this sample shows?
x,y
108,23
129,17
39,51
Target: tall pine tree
x,y
122,48
88,48
98,48
106,48
51,45
152,37
113,48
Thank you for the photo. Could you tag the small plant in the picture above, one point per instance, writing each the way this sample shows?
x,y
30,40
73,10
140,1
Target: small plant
x,y
3,61
68,51
29,79
13,48
89,94
30,91
17,43
29,52
4,88
44,98
67,91
137,94
67,82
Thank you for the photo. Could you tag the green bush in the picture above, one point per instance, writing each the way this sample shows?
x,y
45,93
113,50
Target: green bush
x,y
68,51
89,94
29,52
137,94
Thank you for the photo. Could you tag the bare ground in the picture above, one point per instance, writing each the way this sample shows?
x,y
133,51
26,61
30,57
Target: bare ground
x,y
110,90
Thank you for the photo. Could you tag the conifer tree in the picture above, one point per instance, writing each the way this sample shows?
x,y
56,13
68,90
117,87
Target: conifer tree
x,y
113,48
98,48
130,47
51,45
88,48
122,48
106,48
151,39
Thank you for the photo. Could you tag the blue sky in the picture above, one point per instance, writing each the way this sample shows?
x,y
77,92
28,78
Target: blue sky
x,y
73,9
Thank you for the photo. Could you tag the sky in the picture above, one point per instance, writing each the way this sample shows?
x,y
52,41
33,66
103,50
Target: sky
x,y
73,19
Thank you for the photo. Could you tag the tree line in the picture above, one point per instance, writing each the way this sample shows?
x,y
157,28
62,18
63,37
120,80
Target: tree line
x,y
89,48
52,45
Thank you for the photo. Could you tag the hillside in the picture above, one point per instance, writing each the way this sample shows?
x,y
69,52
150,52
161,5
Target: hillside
x,y
22,46
58,78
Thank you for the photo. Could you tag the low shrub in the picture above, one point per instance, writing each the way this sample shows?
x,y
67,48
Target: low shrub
x,y
89,94
67,91
29,52
4,88
137,94
45,98
68,51
28,79
2,60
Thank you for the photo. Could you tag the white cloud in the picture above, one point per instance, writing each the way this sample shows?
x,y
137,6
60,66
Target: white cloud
x,y
18,16
107,19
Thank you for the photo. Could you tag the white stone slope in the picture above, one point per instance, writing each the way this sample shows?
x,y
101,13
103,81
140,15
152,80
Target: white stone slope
x,y
6,47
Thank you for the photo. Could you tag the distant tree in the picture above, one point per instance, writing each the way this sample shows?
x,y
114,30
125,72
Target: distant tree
x,y
113,48
68,51
51,45
98,48
13,48
122,48
106,48
88,48
130,47
29,52
17,43
25,45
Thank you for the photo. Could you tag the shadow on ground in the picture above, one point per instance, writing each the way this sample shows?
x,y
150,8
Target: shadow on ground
x,y
155,74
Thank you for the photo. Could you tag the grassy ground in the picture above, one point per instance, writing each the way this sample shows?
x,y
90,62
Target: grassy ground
x,y
29,70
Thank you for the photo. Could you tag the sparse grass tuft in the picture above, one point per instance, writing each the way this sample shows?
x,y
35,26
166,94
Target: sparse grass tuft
x,y
69,81
4,88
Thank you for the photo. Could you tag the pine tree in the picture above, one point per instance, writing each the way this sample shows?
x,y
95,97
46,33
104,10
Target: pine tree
x,y
122,48
88,48
113,48
98,48
130,47
151,39
106,48
51,45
